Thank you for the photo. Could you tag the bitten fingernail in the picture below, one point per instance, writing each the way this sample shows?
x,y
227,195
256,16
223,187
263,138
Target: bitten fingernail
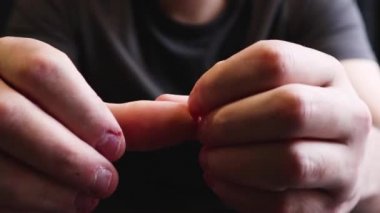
x,y
110,144
103,179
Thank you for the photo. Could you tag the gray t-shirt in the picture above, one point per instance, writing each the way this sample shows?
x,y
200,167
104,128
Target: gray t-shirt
x,y
128,50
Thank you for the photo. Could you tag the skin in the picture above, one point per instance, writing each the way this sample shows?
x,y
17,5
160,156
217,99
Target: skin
x,y
285,139
266,146
57,135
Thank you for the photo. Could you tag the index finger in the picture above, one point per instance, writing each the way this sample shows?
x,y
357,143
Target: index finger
x,y
151,125
47,76
260,67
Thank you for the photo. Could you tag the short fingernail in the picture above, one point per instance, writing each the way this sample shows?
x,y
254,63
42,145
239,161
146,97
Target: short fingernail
x,y
103,179
85,204
110,144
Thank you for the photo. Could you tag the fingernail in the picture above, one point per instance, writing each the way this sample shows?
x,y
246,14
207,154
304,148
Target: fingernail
x,y
110,144
103,179
85,204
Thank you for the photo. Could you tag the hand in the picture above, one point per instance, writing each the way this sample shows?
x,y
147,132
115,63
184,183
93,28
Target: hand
x,y
50,120
57,137
282,130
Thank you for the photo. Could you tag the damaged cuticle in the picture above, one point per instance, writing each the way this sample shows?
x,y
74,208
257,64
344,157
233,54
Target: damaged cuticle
x,y
110,143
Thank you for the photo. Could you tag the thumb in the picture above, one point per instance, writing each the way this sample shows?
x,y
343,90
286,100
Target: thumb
x,y
150,125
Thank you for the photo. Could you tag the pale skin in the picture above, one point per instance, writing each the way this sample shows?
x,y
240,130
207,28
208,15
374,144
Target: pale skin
x,y
63,135
299,133
286,144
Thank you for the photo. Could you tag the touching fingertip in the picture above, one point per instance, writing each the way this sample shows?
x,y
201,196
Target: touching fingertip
x,y
194,106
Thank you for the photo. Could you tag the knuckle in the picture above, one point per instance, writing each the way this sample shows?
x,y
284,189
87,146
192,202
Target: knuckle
x,y
335,65
207,80
219,65
293,106
163,97
362,119
6,40
7,107
39,65
42,63
300,167
276,61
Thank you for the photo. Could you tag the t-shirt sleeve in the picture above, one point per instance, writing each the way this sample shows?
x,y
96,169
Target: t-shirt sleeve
x,y
45,20
331,26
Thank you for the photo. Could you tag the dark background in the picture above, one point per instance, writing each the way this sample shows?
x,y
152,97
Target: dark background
x,y
5,10
369,8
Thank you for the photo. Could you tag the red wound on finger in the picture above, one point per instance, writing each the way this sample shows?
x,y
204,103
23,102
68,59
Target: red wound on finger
x,y
112,145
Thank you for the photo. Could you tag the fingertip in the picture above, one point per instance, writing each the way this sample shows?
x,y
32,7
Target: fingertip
x,y
120,151
111,145
113,184
195,103
106,179
204,96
